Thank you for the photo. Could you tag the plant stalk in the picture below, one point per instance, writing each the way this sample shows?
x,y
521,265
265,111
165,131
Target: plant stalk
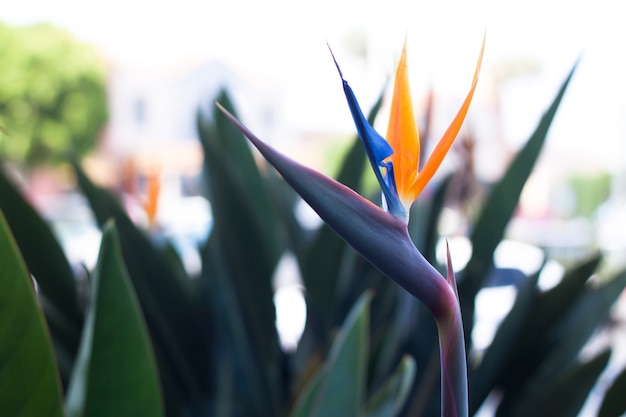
x,y
454,394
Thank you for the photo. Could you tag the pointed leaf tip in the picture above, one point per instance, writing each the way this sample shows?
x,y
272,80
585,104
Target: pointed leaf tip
x,y
116,359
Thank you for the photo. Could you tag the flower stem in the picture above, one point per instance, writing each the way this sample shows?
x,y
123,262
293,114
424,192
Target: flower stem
x,y
454,396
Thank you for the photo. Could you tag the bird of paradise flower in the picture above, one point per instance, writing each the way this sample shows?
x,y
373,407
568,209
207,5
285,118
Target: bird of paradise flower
x,y
381,235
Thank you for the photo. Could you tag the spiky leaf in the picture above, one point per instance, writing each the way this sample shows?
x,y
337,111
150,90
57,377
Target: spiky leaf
x,y
499,208
42,253
29,383
115,374
390,398
171,311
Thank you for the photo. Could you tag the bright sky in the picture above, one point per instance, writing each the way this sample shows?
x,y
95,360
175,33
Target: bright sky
x,y
284,43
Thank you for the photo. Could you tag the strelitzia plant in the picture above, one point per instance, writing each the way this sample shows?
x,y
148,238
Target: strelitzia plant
x,y
380,235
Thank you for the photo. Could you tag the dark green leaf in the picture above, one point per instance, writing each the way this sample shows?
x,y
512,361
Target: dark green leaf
x,y
65,337
115,373
248,256
305,403
342,392
498,210
29,383
177,323
496,359
547,311
322,260
42,253
286,200
565,395
555,302
585,316
390,334
254,388
320,266
551,337
614,402
424,220
223,143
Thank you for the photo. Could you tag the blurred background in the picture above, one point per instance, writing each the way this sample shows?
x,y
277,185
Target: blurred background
x,y
164,59
149,66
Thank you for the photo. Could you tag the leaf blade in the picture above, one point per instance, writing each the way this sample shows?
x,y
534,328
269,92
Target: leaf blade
x,y
170,310
390,398
614,402
499,208
567,393
343,389
116,370
34,238
29,383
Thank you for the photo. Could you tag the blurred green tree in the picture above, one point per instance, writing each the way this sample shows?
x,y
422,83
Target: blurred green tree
x,y
52,95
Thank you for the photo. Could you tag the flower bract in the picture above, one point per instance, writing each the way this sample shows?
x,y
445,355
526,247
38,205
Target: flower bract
x,y
395,160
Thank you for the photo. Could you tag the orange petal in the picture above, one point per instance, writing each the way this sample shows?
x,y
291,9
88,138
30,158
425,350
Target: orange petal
x,y
446,141
402,132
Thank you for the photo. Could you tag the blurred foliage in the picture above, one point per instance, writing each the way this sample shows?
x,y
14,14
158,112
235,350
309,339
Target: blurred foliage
x,y
52,95
590,191
147,339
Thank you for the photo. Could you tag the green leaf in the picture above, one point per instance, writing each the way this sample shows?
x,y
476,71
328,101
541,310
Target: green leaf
x,y
240,219
29,383
305,402
41,251
342,392
47,263
320,266
554,331
175,318
566,394
424,220
496,359
286,200
548,309
321,261
115,373
392,332
223,143
389,399
585,316
614,402
65,337
254,388
555,302
248,255
498,210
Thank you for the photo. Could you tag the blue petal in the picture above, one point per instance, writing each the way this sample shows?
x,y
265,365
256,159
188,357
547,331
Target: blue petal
x,y
377,147
378,236
377,150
